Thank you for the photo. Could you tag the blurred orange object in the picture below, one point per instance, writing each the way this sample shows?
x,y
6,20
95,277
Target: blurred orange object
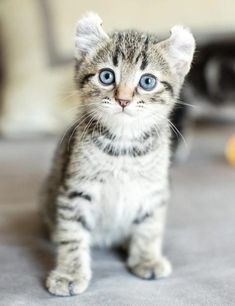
x,y
230,151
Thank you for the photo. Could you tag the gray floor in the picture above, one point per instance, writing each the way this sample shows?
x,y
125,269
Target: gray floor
x,y
200,237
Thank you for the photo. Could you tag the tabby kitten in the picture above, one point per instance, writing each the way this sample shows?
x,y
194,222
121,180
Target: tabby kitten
x,y
109,182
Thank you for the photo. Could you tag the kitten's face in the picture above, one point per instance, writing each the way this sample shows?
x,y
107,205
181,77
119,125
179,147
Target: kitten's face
x,y
127,78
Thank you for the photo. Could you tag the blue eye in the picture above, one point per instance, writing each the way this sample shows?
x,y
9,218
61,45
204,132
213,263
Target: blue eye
x,y
148,82
107,77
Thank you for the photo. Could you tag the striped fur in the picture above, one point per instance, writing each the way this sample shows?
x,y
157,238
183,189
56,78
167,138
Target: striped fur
x,y
109,181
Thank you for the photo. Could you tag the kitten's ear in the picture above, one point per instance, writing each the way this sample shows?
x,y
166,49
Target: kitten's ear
x,y
179,47
89,33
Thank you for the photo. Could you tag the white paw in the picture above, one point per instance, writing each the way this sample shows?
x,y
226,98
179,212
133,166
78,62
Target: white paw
x,y
154,270
62,284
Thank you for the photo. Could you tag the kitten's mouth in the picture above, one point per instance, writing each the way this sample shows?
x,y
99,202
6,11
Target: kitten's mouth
x,y
124,112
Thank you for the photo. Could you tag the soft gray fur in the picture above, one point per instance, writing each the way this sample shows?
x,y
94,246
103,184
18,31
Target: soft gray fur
x,y
109,182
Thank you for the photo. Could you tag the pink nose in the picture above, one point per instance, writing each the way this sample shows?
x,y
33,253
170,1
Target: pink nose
x,y
123,103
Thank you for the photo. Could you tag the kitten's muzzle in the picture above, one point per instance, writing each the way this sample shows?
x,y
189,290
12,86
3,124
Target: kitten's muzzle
x,y
123,103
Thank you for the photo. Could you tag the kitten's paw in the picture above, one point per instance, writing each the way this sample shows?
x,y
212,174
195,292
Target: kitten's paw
x,y
62,284
158,269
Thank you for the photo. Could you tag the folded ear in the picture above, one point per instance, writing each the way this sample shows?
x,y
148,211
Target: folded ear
x,y
179,49
88,34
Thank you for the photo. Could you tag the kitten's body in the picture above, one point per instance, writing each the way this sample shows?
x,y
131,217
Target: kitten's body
x,y
109,183
112,200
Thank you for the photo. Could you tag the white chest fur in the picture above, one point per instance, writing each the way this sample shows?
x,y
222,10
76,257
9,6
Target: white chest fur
x,y
125,195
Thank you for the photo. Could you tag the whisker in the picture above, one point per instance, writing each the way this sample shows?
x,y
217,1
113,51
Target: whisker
x,y
75,121
85,116
177,131
186,104
86,128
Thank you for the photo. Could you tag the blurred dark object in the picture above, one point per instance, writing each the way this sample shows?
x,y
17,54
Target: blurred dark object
x,y
212,76
209,88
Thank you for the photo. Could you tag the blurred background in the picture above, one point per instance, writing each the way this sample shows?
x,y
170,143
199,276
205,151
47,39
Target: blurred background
x,y
37,96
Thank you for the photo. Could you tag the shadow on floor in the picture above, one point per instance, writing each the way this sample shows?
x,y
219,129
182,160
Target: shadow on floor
x,y
27,231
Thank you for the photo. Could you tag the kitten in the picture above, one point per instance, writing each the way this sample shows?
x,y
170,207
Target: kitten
x,y
109,182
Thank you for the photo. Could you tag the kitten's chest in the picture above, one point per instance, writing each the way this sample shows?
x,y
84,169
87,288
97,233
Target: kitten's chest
x,y
123,186
121,201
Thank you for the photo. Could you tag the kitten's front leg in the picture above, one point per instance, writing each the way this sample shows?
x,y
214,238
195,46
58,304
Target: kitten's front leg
x,y
145,250
72,273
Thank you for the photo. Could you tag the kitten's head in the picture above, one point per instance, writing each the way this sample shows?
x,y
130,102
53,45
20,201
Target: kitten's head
x,y
129,78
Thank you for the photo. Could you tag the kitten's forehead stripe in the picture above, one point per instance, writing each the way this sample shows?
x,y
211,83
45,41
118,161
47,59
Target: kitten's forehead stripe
x,y
131,46
144,63
117,50
137,58
115,57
